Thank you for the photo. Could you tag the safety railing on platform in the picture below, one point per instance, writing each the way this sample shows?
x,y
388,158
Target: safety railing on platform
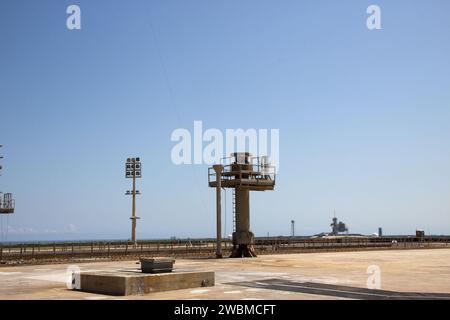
x,y
104,249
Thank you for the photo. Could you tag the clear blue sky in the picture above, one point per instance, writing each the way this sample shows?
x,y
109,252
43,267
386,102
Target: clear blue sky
x,y
363,115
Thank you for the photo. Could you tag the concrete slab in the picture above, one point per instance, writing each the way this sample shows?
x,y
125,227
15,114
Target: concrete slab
x,y
315,276
132,283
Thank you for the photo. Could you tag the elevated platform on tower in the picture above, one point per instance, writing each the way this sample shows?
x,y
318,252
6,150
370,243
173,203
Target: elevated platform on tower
x,y
6,210
253,177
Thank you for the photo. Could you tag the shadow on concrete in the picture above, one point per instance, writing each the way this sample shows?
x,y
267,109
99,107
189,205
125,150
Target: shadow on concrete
x,y
339,291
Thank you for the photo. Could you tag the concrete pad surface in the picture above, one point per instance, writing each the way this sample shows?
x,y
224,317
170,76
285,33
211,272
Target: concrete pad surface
x,y
337,275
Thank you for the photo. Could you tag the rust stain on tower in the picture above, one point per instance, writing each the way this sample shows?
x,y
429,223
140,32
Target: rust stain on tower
x,y
244,174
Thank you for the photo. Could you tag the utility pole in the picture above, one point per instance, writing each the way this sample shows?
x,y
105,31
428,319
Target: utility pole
x,y
1,157
218,169
133,169
133,212
292,228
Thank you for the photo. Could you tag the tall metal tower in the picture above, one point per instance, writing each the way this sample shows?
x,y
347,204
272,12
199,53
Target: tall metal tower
x,y
6,200
133,170
6,209
244,174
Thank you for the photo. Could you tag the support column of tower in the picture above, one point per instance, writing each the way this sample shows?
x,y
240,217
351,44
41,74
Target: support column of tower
x,y
243,238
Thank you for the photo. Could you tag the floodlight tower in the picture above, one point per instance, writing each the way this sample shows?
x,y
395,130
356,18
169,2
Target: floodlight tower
x,y
133,170
244,174
6,200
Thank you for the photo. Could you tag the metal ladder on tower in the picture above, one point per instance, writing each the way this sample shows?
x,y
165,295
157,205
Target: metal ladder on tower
x,y
234,210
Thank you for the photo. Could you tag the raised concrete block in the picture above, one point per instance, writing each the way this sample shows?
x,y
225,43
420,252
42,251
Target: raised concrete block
x,y
133,283
156,265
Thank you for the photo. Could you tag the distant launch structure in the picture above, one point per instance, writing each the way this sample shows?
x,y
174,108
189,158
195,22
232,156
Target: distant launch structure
x,y
244,174
338,227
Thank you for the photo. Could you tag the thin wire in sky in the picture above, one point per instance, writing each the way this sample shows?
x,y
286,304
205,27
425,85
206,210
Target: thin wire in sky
x,y
172,98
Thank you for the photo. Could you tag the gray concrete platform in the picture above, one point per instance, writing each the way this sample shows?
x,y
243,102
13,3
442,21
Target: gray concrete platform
x,y
331,275
134,283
